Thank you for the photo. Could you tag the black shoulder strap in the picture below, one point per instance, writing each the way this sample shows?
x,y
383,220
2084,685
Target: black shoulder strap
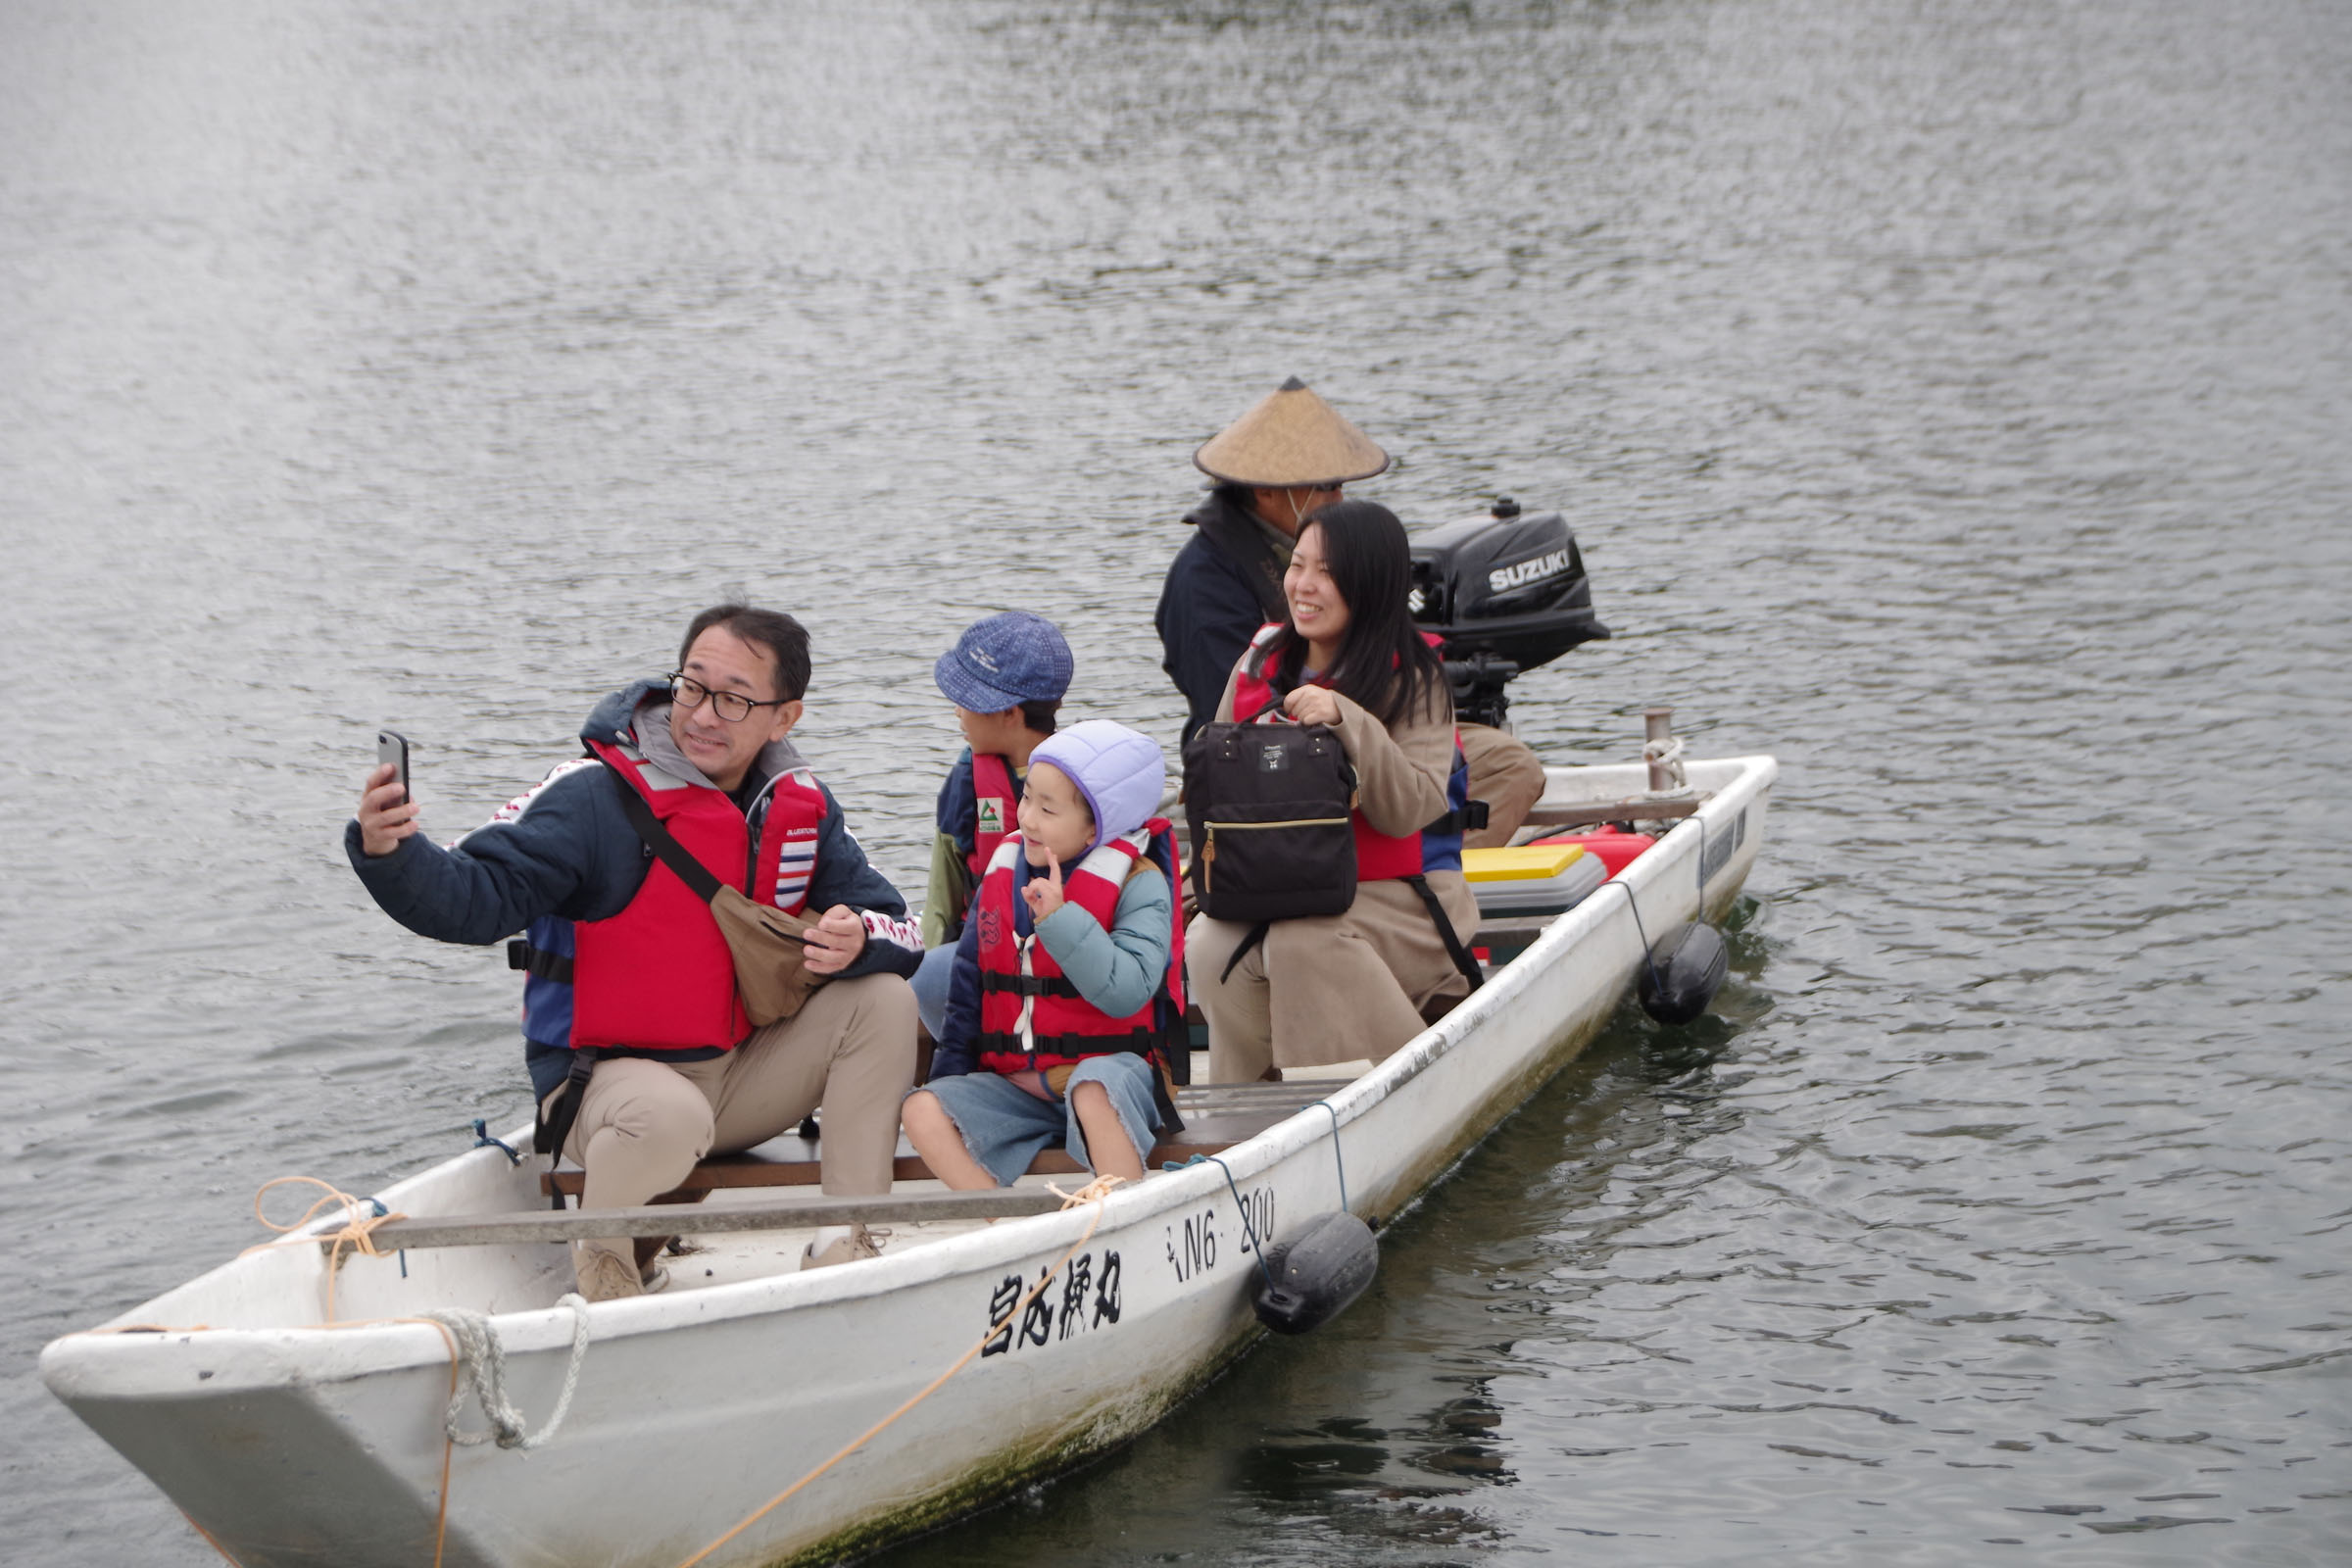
x,y
1455,949
663,843
1164,1103
1468,817
1257,934
562,1112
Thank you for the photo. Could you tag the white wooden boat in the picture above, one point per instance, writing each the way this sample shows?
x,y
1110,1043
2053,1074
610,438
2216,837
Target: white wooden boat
x,y
291,1441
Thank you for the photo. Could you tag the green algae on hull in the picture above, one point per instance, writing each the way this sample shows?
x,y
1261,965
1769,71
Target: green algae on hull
x,y
1109,1425
996,1478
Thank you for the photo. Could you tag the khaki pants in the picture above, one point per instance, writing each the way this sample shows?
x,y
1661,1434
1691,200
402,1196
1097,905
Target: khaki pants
x,y
850,1049
1333,988
1505,774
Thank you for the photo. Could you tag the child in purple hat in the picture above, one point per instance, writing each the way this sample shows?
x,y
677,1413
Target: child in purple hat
x,y
1068,981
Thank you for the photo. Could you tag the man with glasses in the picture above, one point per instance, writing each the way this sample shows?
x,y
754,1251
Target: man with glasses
x,y
626,964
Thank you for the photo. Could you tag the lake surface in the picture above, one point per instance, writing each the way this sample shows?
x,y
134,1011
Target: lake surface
x,y
1950,400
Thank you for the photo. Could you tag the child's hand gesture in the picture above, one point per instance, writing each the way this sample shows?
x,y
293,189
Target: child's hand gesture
x,y
1045,897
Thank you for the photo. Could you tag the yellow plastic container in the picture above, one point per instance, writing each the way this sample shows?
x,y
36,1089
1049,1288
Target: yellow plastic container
x,y
1528,863
1533,879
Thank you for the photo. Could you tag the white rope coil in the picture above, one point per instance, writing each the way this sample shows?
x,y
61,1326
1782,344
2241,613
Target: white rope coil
x,y
1668,753
483,1356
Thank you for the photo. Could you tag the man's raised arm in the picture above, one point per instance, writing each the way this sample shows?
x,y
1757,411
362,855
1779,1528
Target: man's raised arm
x,y
528,860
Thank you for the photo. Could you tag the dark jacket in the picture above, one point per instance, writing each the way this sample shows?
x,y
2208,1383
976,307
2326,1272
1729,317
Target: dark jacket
x,y
565,850
1224,584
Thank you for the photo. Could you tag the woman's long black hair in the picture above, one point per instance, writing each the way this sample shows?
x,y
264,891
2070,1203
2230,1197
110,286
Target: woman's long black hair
x,y
1385,665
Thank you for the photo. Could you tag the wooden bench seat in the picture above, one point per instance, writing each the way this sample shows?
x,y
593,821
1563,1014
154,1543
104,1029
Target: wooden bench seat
x,y
1217,1116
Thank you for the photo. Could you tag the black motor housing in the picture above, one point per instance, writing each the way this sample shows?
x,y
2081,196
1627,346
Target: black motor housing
x,y
1316,1273
1504,593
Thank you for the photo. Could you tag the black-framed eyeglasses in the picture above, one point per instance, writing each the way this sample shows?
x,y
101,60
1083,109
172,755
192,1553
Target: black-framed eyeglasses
x,y
733,707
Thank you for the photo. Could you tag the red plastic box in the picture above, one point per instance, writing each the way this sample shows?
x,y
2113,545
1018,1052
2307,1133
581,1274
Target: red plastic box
x,y
1613,848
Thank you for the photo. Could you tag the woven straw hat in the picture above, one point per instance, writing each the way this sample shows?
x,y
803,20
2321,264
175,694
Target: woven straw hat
x,y
1292,438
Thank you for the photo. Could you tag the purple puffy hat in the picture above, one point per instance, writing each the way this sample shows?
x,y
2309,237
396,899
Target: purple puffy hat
x,y
1120,774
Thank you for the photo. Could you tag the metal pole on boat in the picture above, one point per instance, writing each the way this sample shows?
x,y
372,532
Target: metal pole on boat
x,y
1657,725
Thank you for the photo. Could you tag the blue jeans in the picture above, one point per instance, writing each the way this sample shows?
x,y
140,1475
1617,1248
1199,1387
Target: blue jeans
x,y
1004,1126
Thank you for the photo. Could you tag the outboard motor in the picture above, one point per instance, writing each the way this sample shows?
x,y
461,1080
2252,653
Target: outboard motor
x,y
1504,593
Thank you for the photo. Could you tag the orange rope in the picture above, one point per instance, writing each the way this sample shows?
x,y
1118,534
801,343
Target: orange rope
x,y
358,1234
361,1235
208,1539
1093,1192
448,1445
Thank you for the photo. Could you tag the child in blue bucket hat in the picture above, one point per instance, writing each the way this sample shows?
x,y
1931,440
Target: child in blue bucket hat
x,y
1067,985
1006,676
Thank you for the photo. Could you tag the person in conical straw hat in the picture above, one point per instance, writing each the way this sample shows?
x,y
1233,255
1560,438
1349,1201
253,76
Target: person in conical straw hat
x,y
1272,467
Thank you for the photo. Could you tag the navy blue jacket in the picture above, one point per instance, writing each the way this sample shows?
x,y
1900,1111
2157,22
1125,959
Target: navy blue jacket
x,y
1222,586
564,852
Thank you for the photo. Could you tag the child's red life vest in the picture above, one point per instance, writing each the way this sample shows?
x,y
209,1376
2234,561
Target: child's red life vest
x,y
1030,1014
658,976
994,798
1378,854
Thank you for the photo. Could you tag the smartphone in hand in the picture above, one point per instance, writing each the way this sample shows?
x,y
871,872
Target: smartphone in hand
x,y
393,746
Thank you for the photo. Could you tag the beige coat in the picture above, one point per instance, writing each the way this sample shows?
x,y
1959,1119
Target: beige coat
x,y
1343,987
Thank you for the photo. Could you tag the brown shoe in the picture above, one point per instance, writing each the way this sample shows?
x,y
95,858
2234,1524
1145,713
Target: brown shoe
x,y
604,1275
859,1243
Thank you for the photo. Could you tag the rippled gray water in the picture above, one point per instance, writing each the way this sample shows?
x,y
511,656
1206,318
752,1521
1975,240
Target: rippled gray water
x,y
1950,400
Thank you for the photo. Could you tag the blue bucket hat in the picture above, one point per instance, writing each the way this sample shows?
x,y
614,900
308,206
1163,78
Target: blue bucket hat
x,y
1003,661
1120,773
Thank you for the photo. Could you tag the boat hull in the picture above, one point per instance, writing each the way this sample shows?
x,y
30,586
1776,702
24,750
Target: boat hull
x,y
295,1444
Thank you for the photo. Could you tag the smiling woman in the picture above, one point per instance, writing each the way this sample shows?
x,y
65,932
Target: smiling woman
x,y
1318,989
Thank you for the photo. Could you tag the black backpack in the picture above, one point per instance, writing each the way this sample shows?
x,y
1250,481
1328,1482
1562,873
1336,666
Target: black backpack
x,y
1268,804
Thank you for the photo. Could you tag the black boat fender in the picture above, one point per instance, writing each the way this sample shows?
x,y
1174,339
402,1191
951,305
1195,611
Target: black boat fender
x,y
1314,1276
1684,973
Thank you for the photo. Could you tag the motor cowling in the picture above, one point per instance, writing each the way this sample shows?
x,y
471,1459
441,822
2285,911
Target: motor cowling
x,y
1504,593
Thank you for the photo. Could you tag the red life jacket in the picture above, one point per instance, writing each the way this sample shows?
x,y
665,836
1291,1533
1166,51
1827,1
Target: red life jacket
x,y
658,976
994,800
1378,854
1030,1014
